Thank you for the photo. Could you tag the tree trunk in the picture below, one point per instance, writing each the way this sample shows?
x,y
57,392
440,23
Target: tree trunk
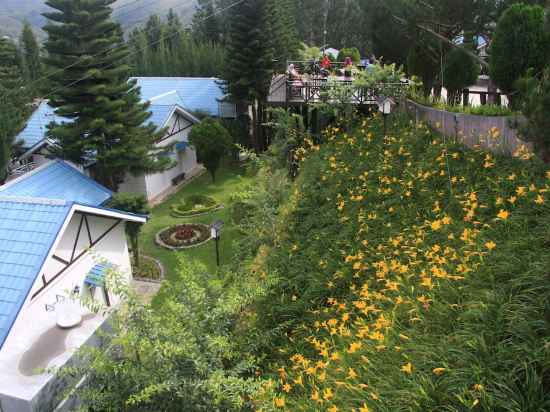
x,y
135,246
255,141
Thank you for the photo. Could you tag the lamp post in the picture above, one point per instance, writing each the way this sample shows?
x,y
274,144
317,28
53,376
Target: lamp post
x,y
385,105
215,231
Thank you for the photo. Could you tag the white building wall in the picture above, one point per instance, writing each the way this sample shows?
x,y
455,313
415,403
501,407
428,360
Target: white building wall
x,y
20,391
134,184
154,185
186,160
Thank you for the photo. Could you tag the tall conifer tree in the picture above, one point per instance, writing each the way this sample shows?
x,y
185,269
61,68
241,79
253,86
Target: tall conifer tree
x,y
12,102
31,53
249,61
87,51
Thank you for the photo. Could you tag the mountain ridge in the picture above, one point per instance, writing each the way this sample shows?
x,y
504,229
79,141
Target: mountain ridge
x,y
130,13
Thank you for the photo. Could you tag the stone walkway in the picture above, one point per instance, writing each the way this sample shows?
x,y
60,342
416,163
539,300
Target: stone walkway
x,y
145,290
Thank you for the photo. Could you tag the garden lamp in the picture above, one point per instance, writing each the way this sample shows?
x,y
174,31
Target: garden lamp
x,y
385,106
215,231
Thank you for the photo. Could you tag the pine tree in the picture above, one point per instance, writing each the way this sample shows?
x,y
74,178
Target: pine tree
x,y
249,60
281,30
206,24
31,53
87,51
13,101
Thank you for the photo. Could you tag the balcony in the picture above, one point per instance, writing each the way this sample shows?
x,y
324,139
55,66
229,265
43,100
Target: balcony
x,y
314,87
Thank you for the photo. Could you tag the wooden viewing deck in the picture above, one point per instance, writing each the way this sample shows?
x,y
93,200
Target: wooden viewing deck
x,y
284,92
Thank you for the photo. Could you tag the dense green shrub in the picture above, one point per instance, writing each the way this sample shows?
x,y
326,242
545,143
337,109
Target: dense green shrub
x,y
182,357
536,108
194,205
351,52
420,63
487,110
211,141
241,211
520,43
460,71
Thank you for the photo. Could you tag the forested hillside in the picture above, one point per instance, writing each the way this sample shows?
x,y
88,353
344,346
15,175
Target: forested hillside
x,y
13,13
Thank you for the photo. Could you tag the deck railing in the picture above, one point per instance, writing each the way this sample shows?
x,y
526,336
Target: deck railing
x,y
322,90
21,170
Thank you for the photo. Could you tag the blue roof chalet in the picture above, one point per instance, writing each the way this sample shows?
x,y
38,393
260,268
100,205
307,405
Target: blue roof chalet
x,y
33,211
165,94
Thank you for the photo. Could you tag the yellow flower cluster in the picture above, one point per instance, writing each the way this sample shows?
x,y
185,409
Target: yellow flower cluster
x,y
393,280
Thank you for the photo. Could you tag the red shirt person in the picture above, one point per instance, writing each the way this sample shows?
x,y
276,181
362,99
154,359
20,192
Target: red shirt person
x,y
325,63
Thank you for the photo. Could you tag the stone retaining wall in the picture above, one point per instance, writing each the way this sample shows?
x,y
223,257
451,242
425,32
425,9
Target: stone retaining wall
x,y
470,129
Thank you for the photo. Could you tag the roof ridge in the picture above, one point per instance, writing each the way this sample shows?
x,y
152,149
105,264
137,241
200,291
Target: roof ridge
x,y
83,175
34,200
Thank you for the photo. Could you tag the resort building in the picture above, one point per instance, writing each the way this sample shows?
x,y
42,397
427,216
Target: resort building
x,y
58,245
177,103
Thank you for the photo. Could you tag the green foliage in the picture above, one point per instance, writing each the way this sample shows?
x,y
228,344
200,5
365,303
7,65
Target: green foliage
x,y
420,62
460,72
351,52
147,269
164,48
281,28
211,141
206,23
84,44
309,53
182,357
194,205
487,110
13,101
385,276
520,43
136,204
31,54
535,105
249,53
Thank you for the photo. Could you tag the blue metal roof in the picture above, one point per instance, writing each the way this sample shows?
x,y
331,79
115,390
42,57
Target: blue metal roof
x,y
35,130
160,114
191,93
28,229
58,180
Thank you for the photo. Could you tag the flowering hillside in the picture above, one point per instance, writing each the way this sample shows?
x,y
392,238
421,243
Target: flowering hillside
x,y
411,275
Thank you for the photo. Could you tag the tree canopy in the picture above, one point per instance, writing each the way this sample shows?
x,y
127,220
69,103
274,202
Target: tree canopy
x,y
91,87
212,142
520,43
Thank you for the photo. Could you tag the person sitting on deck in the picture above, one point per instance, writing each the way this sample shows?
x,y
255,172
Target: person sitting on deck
x,y
296,80
325,66
348,65
293,73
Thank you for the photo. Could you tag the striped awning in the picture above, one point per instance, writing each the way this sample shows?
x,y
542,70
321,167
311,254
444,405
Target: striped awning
x,y
96,276
181,146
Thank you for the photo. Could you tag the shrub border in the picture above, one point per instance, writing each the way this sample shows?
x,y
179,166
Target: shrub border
x,y
193,213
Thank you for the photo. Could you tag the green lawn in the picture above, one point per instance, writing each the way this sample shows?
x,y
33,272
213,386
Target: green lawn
x,y
229,180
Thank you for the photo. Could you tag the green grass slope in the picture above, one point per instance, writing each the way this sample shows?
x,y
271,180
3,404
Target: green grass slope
x,y
411,275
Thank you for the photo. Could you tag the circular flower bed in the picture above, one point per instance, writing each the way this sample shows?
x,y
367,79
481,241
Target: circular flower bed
x,y
195,205
183,236
149,269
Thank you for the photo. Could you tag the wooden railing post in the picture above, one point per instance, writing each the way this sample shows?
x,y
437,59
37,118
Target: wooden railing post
x,y
483,98
465,97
